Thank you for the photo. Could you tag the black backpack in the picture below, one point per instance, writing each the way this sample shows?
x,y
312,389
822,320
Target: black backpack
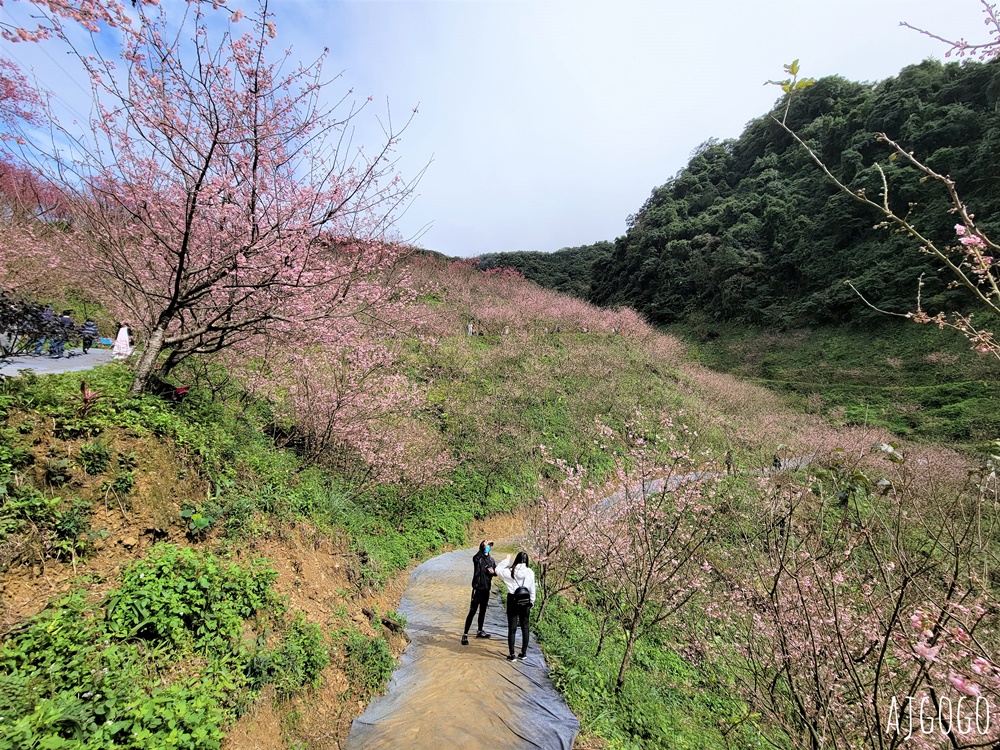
x,y
521,595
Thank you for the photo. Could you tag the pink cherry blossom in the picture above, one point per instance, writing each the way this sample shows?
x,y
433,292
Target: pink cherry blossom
x,y
962,684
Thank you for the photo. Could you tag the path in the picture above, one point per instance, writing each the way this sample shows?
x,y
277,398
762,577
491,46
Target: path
x,y
444,695
45,365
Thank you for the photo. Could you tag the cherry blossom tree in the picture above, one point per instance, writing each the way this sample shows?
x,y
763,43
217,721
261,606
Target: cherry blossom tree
x,y
502,302
634,546
845,609
25,196
984,50
221,198
35,236
344,404
20,103
565,513
49,17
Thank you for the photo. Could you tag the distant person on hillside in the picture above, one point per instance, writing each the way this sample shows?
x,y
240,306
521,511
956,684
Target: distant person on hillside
x,y
729,462
88,332
123,346
61,335
776,463
520,582
483,570
472,329
48,316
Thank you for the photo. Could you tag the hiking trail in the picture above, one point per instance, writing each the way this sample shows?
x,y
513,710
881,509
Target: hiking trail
x,y
444,695
45,365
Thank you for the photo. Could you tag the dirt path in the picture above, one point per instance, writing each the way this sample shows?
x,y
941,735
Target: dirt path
x,y
444,695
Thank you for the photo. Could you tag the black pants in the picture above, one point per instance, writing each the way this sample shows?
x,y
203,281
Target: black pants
x,y
517,616
480,598
87,343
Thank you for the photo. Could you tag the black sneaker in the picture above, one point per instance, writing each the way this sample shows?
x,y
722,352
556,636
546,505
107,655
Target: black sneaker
x,y
511,657
465,640
481,634
522,657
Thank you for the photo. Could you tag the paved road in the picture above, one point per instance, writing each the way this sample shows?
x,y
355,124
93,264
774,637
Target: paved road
x,y
444,695
45,365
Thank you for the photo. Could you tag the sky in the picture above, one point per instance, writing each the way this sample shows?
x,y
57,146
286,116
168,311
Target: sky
x,y
543,124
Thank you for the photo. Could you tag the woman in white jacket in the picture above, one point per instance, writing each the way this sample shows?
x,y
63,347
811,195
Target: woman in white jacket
x,y
516,576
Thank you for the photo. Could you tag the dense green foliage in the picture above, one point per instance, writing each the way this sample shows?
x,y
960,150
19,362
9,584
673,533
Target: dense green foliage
x,y
568,271
369,662
752,231
165,661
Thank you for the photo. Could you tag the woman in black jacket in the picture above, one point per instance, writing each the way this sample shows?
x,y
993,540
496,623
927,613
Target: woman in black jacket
x,y
483,570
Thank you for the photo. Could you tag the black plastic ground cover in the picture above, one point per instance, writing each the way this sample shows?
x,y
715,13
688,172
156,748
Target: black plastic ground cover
x,y
444,695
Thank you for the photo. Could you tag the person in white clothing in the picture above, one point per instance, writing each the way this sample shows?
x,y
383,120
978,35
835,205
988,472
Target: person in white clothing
x,y
515,577
123,348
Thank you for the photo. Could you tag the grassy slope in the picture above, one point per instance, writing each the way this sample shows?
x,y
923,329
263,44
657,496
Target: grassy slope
x,y
916,381
494,400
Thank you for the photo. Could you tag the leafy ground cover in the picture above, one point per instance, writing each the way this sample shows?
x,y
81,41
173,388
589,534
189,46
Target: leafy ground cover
x,y
167,645
179,649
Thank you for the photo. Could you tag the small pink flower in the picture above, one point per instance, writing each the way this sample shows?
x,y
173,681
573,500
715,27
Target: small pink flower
x,y
927,652
962,685
980,665
960,229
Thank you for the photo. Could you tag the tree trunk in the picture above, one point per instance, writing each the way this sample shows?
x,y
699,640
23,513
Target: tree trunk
x,y
604,632
147,361
541,605
629,643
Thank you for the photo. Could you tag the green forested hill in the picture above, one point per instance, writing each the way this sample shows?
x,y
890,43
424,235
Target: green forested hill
x,y
751,231
568,270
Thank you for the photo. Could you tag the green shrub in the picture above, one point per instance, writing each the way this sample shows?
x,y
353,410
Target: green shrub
x,y
300,658
198,522
94,457
163,663
183,596
369,662
60,527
